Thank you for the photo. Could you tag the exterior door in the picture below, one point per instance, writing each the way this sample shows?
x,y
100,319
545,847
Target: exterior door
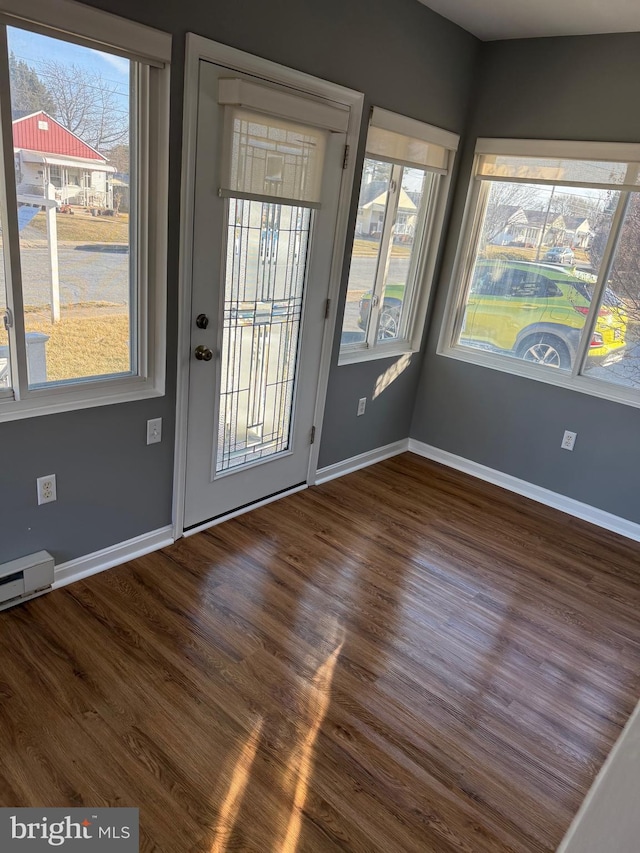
x,y
267,181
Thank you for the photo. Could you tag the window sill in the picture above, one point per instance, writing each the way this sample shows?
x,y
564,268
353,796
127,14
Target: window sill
x,y
582,384
355,356
71,399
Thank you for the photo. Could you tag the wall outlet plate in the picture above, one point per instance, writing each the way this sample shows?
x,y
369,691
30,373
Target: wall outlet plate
x,y
568,440
362,405
46,489
154,431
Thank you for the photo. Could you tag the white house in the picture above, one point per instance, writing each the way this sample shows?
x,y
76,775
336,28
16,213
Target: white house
x,y
47,153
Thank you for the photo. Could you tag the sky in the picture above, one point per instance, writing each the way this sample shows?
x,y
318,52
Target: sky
x,y
33,48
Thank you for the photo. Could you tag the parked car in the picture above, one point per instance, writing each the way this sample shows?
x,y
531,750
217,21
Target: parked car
x,y
560,255
389,318
531,311
536,312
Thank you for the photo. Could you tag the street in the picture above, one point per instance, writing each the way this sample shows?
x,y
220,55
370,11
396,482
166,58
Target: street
x,y
85,276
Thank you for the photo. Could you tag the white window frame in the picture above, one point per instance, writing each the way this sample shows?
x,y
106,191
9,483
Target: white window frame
x,y
428,242
89,27
465,257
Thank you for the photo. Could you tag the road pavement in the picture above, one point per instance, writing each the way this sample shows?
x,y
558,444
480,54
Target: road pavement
x,y
85,276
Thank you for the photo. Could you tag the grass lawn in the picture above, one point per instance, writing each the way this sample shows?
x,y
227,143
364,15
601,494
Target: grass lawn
x,y
515,252
90,345
369,249
81,227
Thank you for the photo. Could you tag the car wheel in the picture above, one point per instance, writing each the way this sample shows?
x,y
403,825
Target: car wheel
x,y
388,323
545,349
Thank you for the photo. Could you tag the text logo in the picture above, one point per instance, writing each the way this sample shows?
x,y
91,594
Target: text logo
x,y
104,830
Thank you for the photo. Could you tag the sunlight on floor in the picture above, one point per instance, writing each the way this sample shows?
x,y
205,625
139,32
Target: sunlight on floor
x,y
301,764
296,776
239,781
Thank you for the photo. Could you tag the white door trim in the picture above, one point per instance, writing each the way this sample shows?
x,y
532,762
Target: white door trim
x,y
199,48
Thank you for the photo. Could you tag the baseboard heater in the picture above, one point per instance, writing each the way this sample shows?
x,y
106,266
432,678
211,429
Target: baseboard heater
x,y
25,576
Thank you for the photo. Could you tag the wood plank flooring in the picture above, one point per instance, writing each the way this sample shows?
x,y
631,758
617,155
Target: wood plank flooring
x,y
404,659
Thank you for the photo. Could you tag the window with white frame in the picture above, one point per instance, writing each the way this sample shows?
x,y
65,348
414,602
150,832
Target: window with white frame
x,y
83,268
547,282
403,192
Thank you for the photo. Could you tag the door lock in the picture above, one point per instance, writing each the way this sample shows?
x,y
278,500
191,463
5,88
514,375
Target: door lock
x,y
202,321
203,353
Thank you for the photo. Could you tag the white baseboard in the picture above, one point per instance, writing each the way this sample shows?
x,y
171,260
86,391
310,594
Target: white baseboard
x,y
347,466
107,558
586,512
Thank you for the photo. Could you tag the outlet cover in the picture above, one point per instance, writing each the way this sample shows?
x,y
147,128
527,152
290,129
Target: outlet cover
x,y
46,489
154,431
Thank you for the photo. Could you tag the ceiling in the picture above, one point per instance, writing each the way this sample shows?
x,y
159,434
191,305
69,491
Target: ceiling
x,y
508,19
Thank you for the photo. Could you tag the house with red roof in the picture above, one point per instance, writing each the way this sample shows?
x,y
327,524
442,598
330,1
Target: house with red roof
x,y
47,154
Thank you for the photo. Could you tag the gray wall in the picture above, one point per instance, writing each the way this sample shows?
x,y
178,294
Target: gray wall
x,y
111,486
582,88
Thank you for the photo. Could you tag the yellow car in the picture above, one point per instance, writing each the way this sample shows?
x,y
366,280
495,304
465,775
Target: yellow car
x,y
536,312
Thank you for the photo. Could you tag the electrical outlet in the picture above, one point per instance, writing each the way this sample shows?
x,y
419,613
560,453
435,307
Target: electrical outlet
x,y
362,404
568,440
154,431
46,489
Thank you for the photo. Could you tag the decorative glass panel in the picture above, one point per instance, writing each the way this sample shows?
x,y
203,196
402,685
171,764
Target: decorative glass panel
x,y
273,157
265,273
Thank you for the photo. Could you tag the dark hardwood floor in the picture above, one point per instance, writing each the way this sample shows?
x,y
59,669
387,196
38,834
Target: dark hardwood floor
x,y
404,659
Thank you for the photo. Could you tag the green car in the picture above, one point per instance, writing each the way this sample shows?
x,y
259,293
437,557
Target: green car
x,y
531,311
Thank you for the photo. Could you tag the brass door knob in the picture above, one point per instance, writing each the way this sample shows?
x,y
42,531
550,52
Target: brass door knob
x,y
203,353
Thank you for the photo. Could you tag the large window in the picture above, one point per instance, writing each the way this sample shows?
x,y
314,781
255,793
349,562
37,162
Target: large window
x,y
402,195
83,210
547,282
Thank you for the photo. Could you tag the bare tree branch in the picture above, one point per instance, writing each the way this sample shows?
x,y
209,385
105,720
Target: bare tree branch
x,y
86,104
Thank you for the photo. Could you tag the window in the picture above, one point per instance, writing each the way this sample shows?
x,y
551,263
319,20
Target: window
x,y
547,280
400,211
55,170
82,285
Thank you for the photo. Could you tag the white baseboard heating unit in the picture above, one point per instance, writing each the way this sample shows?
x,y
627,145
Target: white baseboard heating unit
x,y
24,577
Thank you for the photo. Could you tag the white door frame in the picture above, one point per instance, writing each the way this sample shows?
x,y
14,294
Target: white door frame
x,y
199,48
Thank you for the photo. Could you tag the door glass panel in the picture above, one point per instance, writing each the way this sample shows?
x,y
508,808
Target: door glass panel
x,y
264,283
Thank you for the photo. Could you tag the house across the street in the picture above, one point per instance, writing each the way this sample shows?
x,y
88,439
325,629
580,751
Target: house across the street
x,y
46,153
515,226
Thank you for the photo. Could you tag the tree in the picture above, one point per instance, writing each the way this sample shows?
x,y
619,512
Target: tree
x,y
86,104
505,199
601,229
118,157
28,92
